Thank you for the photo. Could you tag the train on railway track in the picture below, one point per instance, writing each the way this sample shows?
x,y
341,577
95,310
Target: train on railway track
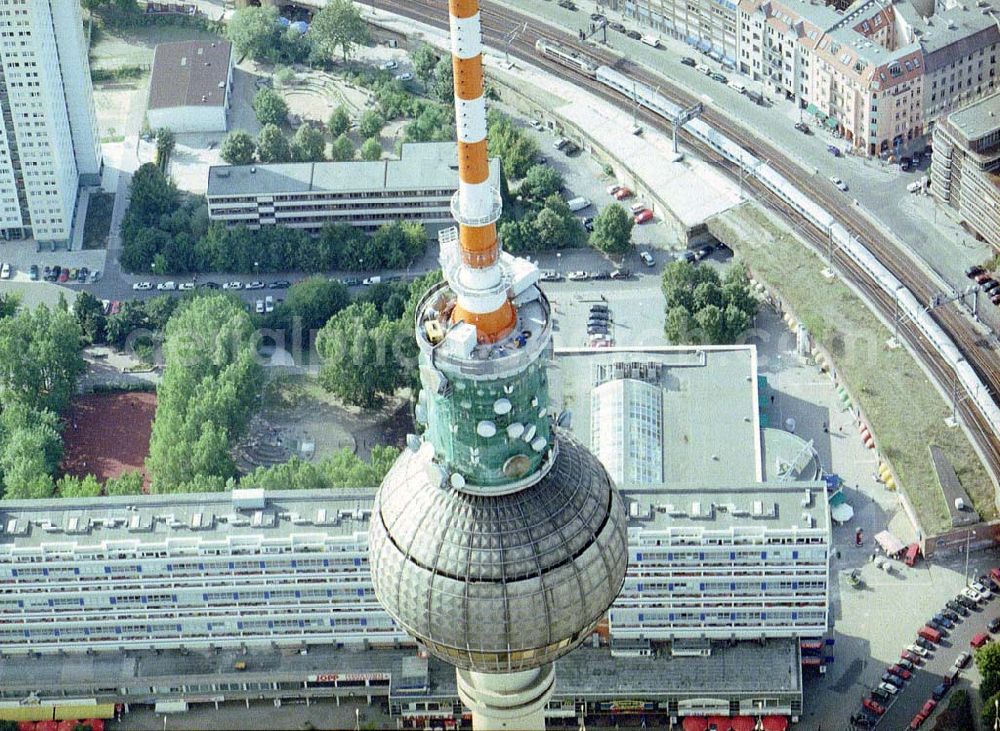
x,y
911,310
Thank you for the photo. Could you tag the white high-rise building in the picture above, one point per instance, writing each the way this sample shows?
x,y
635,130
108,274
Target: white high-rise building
x,y
48,139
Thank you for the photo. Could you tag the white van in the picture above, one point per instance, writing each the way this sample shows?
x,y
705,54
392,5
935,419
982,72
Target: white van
x,y
578,204
651,41
737,86
5,271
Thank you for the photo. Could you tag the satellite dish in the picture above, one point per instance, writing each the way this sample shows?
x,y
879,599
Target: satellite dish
x,y
412,442
515,430
502,406
457,481
565,418
529,434
541,413
538,443
486,429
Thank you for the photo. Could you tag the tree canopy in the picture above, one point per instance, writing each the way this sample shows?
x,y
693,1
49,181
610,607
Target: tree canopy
x,y
425,60
211,384
539,183
310,303
360,351
339,122
270,107
371,150
370,124
343,469
272,145
612,230
515,149
337,25
238,148
253,31
701,308
342,149
308,144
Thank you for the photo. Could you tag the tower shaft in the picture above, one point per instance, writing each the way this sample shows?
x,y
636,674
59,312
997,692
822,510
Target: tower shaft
x,y
482,301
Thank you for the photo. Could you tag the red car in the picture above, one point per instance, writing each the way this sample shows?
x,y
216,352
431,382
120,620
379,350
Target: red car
x,y
623,193
644,215
877,708
982,277
980,639
116,307
63,276
907,655
900,671
917,721
929,707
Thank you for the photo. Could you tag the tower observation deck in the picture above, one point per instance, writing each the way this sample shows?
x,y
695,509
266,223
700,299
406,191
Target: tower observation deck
x,y
496,539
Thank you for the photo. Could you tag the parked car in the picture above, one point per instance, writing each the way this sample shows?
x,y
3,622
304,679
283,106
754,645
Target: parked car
x,y
623,193
918,650
979,586
369,281
405,76
259,307
588,223
873,706
597,329
936,626
169,286
888,688
910,657
979,640
994,625
186,286
81,275
617,27
838,183
95,275
5,271
966,601
116,306
907,664
578,276
905,163
643,216
33,272
953,616
988,286
560,143
550,275
803,128
634,35
570,149
388,65
280,284
833,150
943,621
63,276
899,670
688,61
880,695
256,284
716,76
982,277
232,285
888,677
968,591
956,607
917,721
601,276
963,659
973,271
939,692
703,252
210,285
647,258
269,304
929,634
535,123
621,274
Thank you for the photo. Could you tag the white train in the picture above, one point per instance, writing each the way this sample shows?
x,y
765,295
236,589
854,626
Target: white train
x,y
911,309
567,57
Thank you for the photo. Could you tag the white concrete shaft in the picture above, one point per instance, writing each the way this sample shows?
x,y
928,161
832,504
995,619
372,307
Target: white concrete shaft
x,y
475,200
466,36
470,119
507,700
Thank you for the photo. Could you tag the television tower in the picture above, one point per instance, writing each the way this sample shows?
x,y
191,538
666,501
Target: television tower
x,y
496,540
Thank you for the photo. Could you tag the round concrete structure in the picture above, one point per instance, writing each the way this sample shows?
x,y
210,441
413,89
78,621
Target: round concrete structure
x,y
499,583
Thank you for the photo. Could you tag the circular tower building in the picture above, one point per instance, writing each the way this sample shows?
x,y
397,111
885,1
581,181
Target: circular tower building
x,y
496,540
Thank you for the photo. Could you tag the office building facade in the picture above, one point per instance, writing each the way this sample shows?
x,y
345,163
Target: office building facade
x,y
417,187
965,168
48,139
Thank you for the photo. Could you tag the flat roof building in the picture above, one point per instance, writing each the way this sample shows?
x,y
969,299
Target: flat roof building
x,y
416,187
190,86
965,167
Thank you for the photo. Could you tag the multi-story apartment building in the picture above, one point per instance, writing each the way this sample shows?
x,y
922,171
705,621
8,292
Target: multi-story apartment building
x,y
965,168
419,186
708,25
194,572
48,138
878,73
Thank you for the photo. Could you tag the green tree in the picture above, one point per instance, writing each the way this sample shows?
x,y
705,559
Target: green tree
x,y
425,60
238,148
72,486
211,384
253,31
89,314
10,302
128,483
370,124
270,107
612,230
988,663
272,145
540,182
433,124
40,358
343,469
342,149
339,122
443,86
678,324
337,24
308,145
359,362
310,303
165,142
371,150
517,150
555,225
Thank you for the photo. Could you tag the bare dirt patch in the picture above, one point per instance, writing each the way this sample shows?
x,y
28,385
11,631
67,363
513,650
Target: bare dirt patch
x,y
107,435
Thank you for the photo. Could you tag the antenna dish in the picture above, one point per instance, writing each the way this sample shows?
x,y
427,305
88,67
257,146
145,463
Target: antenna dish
x,y
565,418
501,406
515,430
457,480
486,429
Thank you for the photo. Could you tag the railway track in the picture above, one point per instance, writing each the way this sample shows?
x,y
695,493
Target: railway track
x,y
978,351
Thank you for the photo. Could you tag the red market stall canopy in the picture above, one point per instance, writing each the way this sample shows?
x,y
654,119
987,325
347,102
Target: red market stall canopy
x,y
775,723
742,723
719,723
695,723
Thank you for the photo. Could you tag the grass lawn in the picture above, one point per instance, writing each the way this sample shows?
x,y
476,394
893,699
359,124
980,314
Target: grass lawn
x,y
98,224
905,411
